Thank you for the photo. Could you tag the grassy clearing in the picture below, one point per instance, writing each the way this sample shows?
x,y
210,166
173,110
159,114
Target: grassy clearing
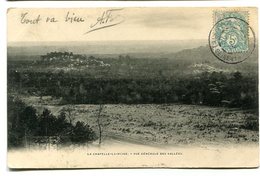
x,y
164,124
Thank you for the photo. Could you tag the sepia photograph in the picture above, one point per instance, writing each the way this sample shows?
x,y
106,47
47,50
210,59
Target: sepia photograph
x,y
132,87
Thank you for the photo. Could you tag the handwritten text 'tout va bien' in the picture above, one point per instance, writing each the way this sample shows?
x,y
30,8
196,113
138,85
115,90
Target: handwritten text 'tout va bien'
x,y
70,17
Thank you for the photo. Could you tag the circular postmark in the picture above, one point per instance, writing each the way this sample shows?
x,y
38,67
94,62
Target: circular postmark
x,y
232,40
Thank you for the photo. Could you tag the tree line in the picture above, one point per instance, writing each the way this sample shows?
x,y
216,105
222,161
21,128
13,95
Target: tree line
x,y
212,89
25,125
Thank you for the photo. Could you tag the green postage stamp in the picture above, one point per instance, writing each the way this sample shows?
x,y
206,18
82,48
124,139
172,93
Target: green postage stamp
x,y
232,30
231,38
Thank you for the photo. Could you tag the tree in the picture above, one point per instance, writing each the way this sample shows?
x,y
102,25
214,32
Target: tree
x,y
28,121
68,112
99,122
15,129
62,125
237,76
47,124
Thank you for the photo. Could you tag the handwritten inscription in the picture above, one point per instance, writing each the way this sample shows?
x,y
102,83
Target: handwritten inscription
x,y
26,19
72,18
51,20
107,18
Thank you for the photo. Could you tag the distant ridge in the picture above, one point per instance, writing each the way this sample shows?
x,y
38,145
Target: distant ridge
x,y
103,47
184,51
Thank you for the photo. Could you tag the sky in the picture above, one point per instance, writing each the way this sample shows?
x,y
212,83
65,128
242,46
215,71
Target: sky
x,y
135,24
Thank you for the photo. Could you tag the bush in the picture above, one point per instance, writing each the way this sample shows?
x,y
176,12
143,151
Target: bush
x,y
82,133
251,124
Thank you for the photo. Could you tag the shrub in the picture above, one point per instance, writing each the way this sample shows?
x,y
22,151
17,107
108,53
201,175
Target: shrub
x,y
82,133
251,124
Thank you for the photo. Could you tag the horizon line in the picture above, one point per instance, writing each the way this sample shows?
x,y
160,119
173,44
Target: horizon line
x,y
76,41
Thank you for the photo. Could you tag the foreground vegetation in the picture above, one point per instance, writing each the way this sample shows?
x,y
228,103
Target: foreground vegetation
x,y
25,125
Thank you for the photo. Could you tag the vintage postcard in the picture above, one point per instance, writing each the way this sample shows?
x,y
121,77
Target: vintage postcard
x,y
133,87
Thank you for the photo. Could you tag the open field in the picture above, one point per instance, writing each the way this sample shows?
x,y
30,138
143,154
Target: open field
x,y
153,124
